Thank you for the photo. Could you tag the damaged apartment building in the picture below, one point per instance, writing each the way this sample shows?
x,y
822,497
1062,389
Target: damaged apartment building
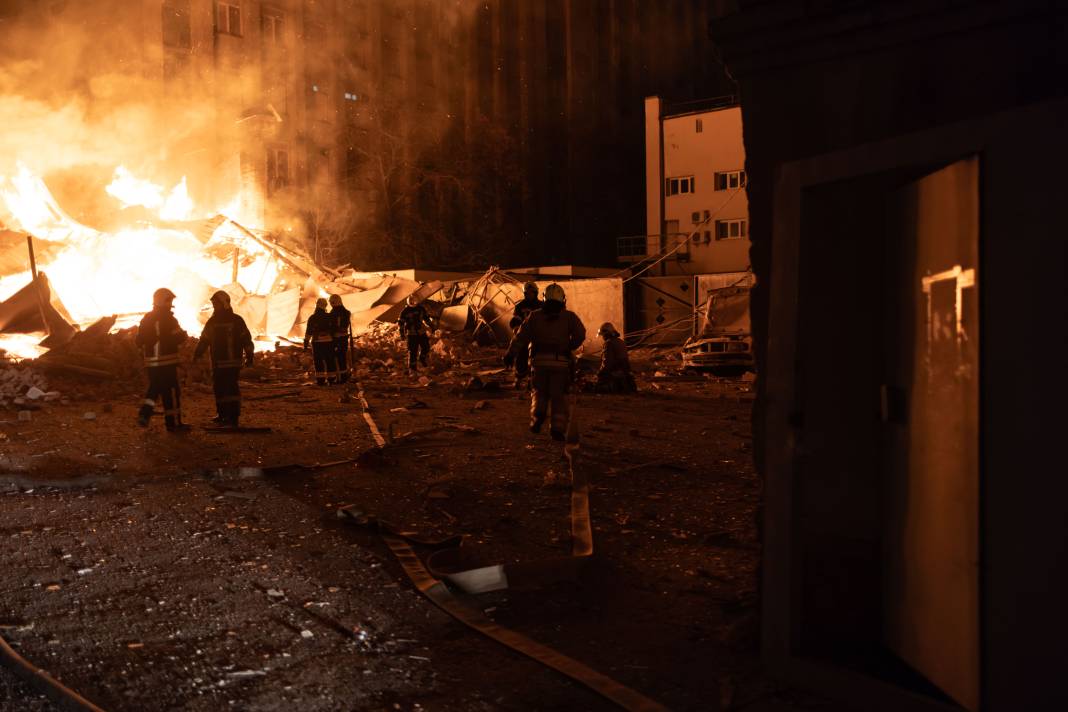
x,y
402,132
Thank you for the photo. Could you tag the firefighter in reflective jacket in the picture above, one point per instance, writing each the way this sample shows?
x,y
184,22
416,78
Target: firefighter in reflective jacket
x,y
320,334
159,337
414,321
552,333
524,308
342,336
231,345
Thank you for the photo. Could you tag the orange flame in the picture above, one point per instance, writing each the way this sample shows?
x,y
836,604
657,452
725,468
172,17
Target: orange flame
x,y
98,273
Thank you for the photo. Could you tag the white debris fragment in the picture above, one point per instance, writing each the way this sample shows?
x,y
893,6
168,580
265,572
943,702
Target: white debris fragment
x,y
34,393
306,634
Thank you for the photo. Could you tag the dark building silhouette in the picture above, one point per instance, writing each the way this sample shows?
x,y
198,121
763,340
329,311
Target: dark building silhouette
x,y
905,193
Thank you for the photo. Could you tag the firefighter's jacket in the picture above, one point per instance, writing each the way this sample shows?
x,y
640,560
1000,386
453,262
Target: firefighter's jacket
x,y
524,308
614,358
159,337
414,321
342,319
228,338
551,337
320,328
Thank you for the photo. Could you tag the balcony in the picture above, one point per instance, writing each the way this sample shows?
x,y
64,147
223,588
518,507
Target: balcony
x,y
639,248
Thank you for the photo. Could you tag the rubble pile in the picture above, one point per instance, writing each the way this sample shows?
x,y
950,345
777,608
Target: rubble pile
x,y
380,347
19,385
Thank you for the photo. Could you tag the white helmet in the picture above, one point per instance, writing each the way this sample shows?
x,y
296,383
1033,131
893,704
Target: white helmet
x,y
555,293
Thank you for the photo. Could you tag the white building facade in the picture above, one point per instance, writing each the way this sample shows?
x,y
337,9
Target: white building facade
x,y
697,211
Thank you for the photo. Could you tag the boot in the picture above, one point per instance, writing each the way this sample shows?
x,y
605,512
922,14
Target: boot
x,y
536,423
143,415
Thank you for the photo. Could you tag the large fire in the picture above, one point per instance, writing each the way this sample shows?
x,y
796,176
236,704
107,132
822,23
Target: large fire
x,y
96,274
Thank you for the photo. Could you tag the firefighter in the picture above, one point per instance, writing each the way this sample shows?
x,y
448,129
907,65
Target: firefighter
x,y
159,337
320,334
614,376
415,324
342,336
231,344
551,334
523,308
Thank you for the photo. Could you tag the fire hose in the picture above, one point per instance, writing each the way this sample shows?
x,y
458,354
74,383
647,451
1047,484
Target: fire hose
x,y
433,578
39,678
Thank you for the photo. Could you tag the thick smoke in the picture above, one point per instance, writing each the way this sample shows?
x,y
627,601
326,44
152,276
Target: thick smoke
x,y
81,93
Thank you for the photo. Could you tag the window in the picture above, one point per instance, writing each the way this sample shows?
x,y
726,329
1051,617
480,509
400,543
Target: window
x,y
699,125
273,27
277,169
695,217
675,186
730,180
730,229
318,95
177,31
708,237
228,19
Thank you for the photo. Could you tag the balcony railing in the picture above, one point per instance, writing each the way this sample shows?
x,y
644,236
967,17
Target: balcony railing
x,y
638,248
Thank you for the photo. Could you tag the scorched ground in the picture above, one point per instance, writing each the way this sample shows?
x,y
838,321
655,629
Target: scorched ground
x,y
148,571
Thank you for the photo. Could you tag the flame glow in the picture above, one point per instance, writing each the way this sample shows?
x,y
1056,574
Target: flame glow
x,y
96,274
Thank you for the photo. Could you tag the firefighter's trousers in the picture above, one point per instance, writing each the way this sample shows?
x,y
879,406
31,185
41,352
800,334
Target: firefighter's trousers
x,y
163,384
418,348
325,362
227,393
551,385
341,355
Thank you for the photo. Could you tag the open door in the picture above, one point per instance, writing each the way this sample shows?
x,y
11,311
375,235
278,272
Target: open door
x,y
930,407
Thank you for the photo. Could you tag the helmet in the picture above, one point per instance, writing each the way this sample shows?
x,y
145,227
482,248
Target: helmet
x,y
162,297
607,330
335,300
530,290
555,293
221,299
412,300
320,303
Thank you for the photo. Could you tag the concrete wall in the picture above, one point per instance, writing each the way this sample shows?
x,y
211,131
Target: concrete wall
x,y
595,301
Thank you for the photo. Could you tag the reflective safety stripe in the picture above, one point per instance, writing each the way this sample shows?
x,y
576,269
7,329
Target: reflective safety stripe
x,y
169,360
228,399
151,403
173,411
323,339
